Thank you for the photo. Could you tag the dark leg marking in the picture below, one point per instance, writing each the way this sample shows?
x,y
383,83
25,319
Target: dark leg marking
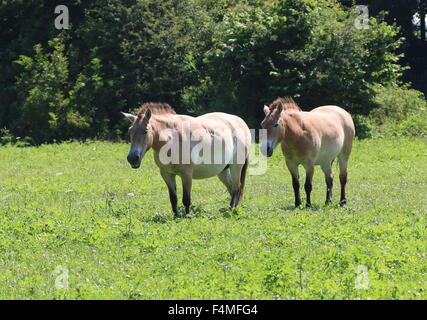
x,y
308,187
186,200
329,186
295,185
233,200
343,181
174,201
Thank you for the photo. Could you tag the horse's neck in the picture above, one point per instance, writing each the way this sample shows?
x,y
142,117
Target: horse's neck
x,y
159,123
292,129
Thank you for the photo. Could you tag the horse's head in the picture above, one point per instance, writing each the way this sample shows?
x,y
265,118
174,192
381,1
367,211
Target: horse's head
x,y
271,123
140,137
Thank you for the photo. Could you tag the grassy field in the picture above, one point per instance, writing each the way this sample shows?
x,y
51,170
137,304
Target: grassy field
x,y
80,209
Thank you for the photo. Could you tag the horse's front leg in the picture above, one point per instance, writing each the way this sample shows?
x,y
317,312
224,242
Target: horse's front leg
x,y
293,169
171,183
187,180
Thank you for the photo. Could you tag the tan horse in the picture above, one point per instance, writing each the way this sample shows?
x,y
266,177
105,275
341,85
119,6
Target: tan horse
x,y
214,144
310,138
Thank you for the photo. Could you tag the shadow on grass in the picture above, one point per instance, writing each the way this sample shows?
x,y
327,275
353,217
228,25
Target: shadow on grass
x,y
313,207
157,217
167,216
240,212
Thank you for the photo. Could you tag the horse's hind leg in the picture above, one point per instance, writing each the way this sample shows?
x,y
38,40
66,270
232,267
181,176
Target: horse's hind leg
x,y
243,179
225,178
342,161
235,173
327,170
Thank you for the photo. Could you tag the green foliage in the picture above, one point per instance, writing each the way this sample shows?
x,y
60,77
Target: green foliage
x,y
415,125
50,107
80,206
363,126
396,103
399,111
149,51
116,55
310,50
199,56
6,138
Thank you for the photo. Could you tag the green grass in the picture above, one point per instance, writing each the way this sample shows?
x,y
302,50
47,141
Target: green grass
x,y
82,207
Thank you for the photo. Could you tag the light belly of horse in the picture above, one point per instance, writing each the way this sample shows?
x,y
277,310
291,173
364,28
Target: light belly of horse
x,y
202,171
328,153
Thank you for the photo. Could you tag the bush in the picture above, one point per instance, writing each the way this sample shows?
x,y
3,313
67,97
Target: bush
x,y
310,50
52,106
414,126
396,103
6,138
399,111
363,126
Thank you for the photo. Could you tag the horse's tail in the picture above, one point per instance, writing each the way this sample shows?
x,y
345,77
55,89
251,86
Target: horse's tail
x,y
243,177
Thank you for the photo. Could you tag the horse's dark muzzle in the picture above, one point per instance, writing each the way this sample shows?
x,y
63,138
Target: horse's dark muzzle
x,y
135,160
269,151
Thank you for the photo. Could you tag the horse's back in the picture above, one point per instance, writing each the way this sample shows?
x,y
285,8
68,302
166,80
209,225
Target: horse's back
x,y
229,124
338,116
216,121
221,119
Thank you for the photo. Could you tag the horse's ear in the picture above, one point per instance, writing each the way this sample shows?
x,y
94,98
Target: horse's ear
x,y
147,116
129,116
280,108
266,110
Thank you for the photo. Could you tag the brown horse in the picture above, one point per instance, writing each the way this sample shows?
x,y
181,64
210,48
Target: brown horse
x,y
214,144
310,138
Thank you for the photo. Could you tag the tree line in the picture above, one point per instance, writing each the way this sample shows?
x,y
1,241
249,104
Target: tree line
x,y
197,55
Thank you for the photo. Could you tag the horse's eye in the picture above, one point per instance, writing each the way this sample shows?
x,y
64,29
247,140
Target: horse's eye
x,y
276,125
144,132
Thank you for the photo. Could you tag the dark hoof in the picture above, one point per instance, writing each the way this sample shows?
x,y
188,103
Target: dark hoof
x,y
308,205
343,203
